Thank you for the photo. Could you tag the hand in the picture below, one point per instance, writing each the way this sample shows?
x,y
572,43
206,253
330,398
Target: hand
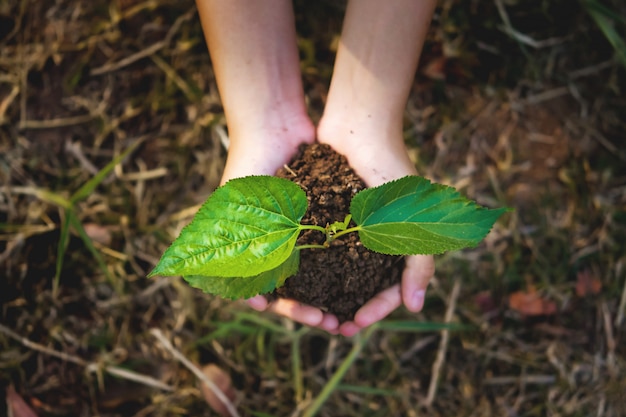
x,y
417,273
264,157
377,162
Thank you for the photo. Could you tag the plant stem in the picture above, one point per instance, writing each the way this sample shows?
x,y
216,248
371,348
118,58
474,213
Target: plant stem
x,y
345,232
313,227
312,246
327,232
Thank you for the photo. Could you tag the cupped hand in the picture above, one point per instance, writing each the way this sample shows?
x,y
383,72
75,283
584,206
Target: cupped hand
x,y
417,273
377,162
264,158
376,166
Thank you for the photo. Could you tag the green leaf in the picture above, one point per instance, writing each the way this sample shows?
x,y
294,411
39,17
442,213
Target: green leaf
x,y
246,227
236,288
413,216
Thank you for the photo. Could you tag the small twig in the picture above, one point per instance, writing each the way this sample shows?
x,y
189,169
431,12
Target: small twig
x,y
606,143
157,284
152,49
523,380
419,345
621,310
610,340
113,370
134,376
289,170
76,150
592,70
520,37
6,102
443,345
547,95
554,356
144,53
194,369
220,131
145,175
40,348
177,79
55,123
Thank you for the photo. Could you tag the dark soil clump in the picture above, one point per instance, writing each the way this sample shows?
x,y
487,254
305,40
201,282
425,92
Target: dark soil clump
x,y
345,276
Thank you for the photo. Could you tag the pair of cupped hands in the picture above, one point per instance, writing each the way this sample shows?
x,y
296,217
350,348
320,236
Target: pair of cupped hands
x,y
375,164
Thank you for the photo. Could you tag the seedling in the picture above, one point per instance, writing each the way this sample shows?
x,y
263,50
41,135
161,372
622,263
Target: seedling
x,y
242,241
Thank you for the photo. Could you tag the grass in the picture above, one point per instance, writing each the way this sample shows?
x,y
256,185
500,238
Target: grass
x,y
610,23
526,110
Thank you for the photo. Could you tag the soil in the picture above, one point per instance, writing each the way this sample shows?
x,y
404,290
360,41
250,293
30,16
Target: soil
x,y
345,276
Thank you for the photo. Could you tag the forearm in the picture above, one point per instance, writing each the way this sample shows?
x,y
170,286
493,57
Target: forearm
x,y
255,58
378,53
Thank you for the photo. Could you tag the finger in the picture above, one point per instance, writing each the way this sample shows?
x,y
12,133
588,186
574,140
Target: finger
x,y
259,303
349,328
417,273
379,307
330,324
301,313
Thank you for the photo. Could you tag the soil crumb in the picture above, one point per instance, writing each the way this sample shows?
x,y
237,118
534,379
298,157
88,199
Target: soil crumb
x,y
345,276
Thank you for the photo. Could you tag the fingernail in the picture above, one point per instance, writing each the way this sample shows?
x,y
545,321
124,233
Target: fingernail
x,y
417,301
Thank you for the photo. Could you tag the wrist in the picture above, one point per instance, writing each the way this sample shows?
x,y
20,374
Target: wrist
x,y
376,152
260,149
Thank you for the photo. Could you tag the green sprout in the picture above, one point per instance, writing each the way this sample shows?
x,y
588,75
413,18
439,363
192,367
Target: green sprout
x,y
243,240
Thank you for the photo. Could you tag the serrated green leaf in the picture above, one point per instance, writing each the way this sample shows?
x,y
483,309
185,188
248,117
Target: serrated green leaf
x,y
246,227
238,287
414,216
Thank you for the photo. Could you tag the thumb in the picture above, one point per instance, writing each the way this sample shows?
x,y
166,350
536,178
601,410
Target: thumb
x,y
417,273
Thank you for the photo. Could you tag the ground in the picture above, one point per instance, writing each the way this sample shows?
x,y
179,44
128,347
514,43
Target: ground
x,y
112,134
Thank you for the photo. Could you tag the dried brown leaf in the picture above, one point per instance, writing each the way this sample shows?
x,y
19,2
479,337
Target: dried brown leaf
x,y
98,233
587,283
530,303
435,69
222,380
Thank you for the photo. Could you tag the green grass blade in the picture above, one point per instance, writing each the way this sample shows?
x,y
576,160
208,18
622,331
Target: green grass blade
x,y
77,225
602,9
605,19
61,248
420,327
44,195
360,340
357,389
263,322
224,329
88,187
296,366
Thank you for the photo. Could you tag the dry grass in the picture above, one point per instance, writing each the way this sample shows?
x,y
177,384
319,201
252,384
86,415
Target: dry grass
x,y
514,105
